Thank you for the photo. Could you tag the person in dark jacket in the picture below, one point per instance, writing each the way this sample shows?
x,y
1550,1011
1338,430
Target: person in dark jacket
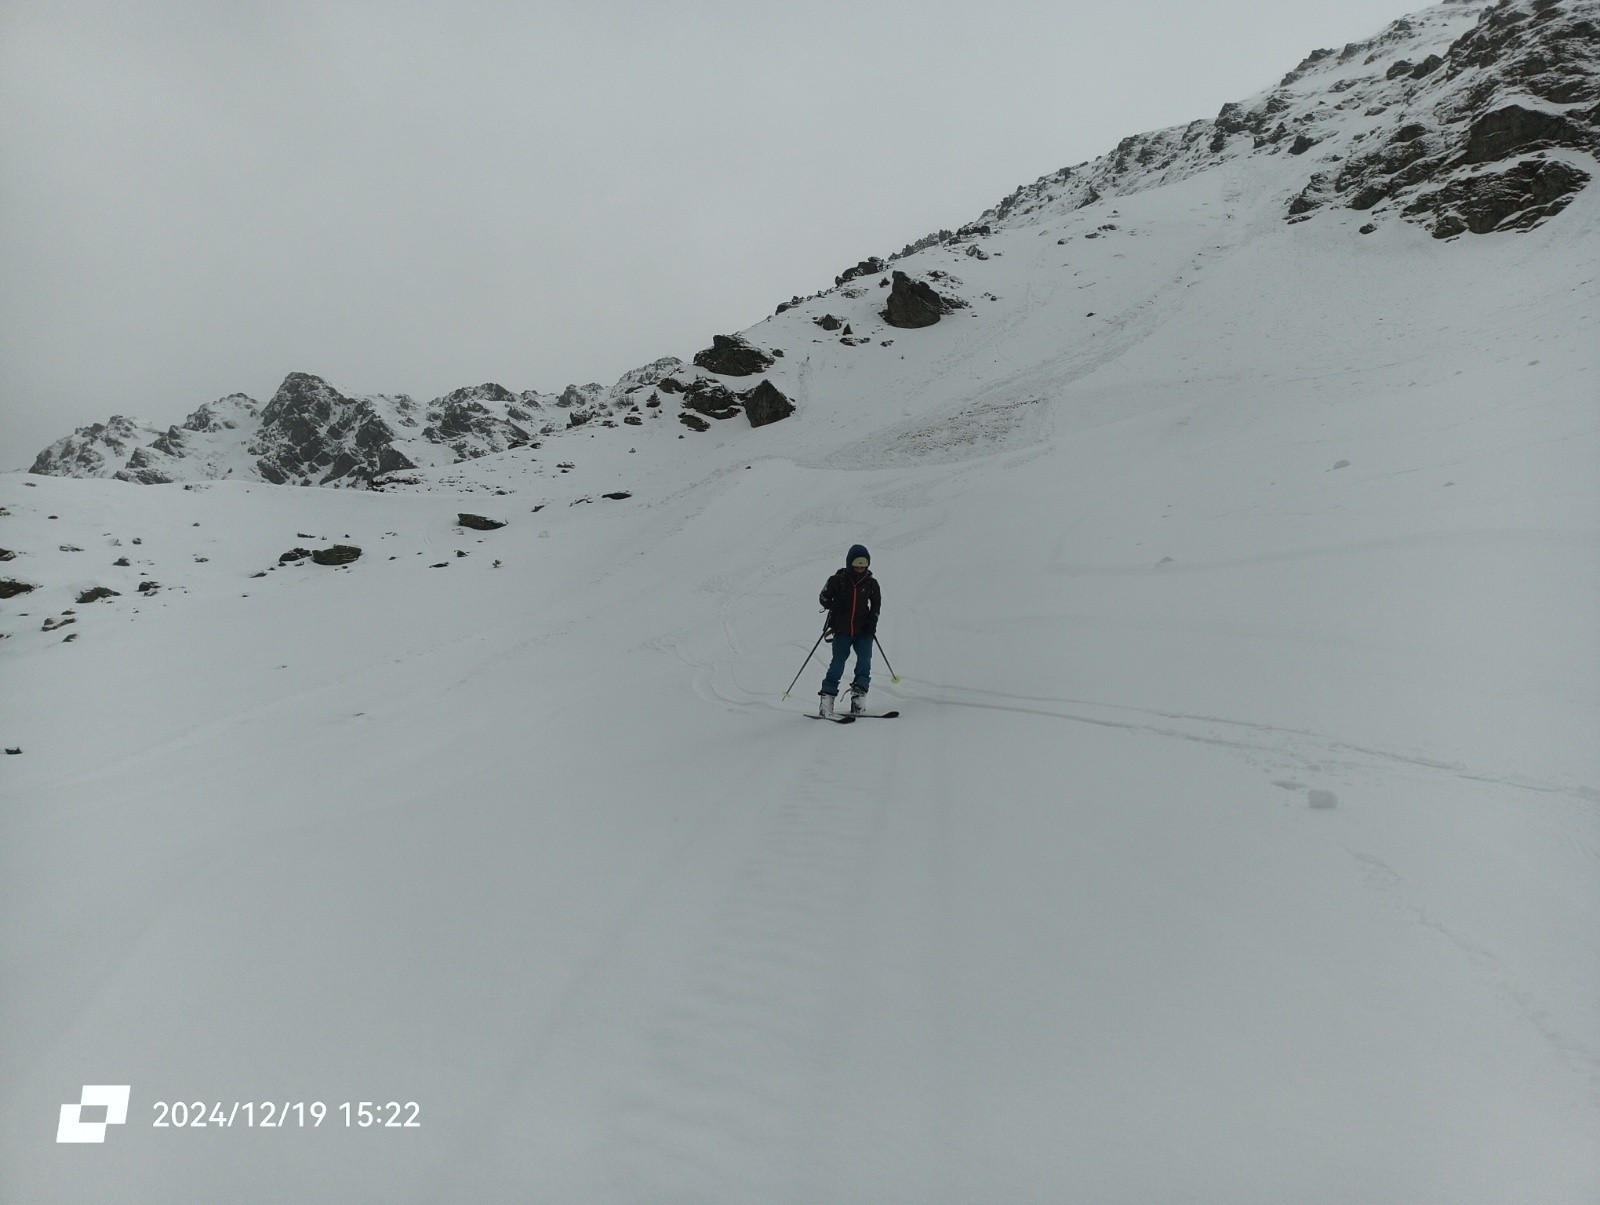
x,y
852,600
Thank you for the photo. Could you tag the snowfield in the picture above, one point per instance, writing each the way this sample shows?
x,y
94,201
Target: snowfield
x,y
1237,842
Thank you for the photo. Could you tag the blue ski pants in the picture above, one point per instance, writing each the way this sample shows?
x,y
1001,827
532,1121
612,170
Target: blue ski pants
x,y
842,647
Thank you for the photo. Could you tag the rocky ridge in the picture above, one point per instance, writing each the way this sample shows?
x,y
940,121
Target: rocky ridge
x,y
1463,118
311,433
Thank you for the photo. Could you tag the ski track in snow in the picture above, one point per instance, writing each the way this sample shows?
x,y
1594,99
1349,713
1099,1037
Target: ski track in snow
x,y
1296,746
761,988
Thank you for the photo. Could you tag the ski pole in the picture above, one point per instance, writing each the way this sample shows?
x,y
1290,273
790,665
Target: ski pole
x,y
893,677
807,662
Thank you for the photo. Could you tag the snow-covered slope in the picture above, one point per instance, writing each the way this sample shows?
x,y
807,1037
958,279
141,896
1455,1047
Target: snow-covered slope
x,y
1461,118
1237,842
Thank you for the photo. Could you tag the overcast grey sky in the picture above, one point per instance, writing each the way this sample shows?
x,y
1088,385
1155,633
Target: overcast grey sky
x,y
200,196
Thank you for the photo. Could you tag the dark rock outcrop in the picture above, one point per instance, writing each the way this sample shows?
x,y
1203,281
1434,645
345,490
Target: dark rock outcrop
x,y
311,434
478,522
1427,67
1543,49
732,356
865,268
710,399
97,593
1517,198
1515,129
766,404
338,554
10,587
915,303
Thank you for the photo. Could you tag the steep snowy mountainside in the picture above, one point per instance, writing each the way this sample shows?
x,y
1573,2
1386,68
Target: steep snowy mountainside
x,y
1460,118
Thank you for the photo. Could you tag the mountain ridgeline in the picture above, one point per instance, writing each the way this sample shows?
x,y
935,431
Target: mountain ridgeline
x,y
1491,127
1462,119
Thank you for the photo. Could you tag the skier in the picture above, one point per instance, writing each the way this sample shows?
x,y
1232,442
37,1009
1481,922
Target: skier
x,y
852,600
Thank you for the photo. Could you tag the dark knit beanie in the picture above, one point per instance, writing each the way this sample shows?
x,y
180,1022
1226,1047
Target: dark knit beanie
x,y
855,551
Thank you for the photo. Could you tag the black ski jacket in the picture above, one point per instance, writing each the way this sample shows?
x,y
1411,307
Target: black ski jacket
x,y
853,602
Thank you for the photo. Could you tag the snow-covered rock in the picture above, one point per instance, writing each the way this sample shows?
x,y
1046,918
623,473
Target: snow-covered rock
x,y
98,450
311,433
1460,117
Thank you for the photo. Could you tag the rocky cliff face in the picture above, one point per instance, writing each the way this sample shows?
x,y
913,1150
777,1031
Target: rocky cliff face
x,y
311,434
1461,118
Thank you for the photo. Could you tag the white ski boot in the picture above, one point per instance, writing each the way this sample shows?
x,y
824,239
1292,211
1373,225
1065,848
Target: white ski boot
x,y
858,700
825,706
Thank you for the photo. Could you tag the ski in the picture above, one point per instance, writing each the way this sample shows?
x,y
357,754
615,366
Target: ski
x,y
872,715
837,719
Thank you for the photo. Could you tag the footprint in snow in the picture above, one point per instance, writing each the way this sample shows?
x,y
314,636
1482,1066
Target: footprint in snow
x,y
1316,798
